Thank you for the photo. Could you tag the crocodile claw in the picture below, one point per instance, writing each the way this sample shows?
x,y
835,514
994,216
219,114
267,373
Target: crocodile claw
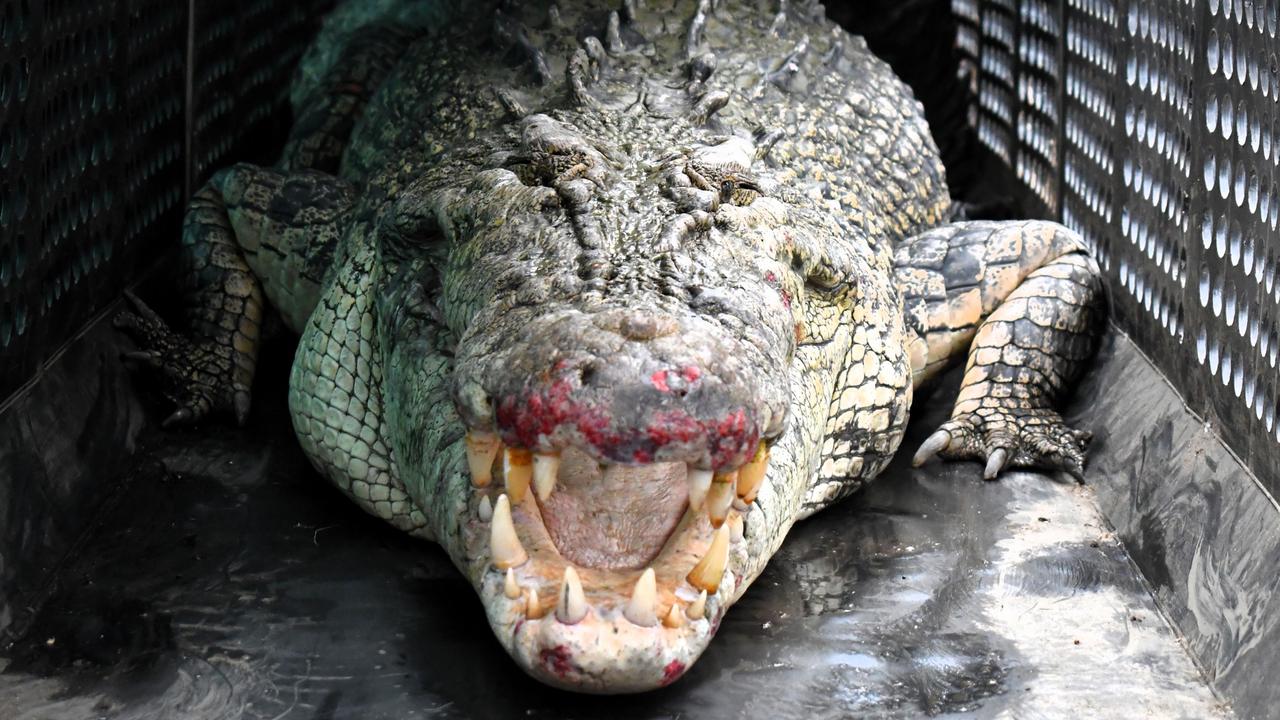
x,y
935,443
996,462
180,416
197,376
1009,437
142,309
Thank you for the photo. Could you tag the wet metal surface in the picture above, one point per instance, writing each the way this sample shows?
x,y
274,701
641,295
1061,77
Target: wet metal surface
x,y
228,581
1199,526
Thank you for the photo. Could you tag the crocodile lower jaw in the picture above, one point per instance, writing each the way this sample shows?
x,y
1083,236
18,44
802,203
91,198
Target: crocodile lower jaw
x,y
632,621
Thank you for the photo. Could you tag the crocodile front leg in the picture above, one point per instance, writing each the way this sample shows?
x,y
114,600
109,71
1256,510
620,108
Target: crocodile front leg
x,y
250,234
212,368
1025,300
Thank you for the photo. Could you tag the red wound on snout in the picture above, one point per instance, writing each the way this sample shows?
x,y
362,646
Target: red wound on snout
x,y
672,672
558,660
527,420
659,380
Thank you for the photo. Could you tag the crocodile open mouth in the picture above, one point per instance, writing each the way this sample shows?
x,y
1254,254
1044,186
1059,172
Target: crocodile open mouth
x,y
613,517
604,566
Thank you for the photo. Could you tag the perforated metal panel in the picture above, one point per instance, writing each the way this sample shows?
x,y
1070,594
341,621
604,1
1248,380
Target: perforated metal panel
x,y
1165,155
1089,145
17,22
93,141
1010,53
1236,295
83,86
245,52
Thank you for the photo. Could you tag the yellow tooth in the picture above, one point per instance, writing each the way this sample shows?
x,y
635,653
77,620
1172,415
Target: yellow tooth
x,y
517,466
545,468
572,606
486,509
698,607
532,606
736,527
482,448
641,610
709,571
720,497
699,483
509,587
751,475
504,545
674,618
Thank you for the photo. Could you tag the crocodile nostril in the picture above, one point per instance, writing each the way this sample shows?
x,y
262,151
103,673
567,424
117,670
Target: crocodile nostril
x,y
642,326
638,327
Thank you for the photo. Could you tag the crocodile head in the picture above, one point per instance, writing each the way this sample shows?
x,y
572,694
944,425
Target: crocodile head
x,y
635,326
624,328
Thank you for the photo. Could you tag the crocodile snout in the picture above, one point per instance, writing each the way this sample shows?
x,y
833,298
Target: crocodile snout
x,y
614,455
632,386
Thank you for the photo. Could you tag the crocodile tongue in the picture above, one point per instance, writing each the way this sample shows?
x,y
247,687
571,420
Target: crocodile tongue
x,y
614,517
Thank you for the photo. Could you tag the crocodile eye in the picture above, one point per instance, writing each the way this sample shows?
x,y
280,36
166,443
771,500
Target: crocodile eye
x,y
739,191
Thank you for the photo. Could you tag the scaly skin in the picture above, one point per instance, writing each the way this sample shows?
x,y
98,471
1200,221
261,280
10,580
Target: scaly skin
x,y
655,236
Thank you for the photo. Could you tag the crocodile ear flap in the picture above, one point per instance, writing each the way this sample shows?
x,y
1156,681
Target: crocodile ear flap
x,y
828,268
408,235
409,229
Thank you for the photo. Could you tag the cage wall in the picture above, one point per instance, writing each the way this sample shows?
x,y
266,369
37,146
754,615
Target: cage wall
x,y
1152,128
109,111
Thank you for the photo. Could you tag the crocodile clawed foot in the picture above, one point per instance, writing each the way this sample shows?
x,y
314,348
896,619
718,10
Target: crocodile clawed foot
x,y
198,377
1004,437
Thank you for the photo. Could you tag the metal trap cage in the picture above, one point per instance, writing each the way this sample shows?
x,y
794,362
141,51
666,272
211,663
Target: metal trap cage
x,y
1152,127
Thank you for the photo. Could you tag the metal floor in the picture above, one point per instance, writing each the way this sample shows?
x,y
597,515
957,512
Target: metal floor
x,y
226,580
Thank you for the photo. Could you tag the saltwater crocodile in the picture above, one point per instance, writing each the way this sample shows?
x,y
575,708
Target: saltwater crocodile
x,y
603,299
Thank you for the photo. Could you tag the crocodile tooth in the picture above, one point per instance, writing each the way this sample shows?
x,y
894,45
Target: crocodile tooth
x,y
572,606
699,484
641,610
532,606
720,497
545,468
751,475
697,608
517,466
709,571
482,447
510,587
504,545
736,527
486,509
674,618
